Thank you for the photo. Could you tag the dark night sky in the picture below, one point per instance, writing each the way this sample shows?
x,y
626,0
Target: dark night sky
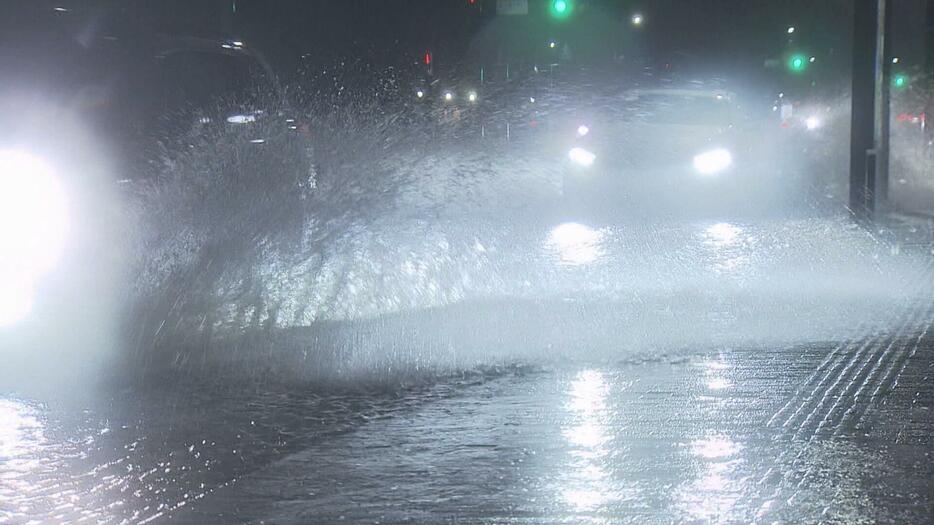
x,y
382,30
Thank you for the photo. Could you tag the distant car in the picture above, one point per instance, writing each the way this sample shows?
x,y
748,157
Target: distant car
x,y
137,90
200,86
657,139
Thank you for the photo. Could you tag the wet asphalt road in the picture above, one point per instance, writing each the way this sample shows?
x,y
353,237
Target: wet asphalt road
x,y
800,434
833,428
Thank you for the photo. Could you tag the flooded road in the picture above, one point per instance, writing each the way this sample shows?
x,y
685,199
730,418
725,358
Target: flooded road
x,y
800,433
737,436
435,335
759,371
485,262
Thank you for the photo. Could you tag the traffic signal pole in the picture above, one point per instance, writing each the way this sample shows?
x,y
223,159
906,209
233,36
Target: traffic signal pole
x,y
869,132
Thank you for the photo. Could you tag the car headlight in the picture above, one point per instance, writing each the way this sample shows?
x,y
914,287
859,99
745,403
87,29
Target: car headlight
x,y
713,161
812,123
33,225
581,157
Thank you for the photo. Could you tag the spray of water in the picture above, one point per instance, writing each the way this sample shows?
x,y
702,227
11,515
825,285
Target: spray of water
x,y
400,239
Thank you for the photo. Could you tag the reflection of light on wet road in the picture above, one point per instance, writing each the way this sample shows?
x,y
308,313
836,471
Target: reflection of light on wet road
x,y
588,392
20,430
576,244
586,487
38,481
725,241
722,234
717,485
717,383
714,447
586,435
22,436
714,370
717,488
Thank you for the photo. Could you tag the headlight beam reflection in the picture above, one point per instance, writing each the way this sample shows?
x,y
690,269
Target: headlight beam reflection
x,y
576,244
588,434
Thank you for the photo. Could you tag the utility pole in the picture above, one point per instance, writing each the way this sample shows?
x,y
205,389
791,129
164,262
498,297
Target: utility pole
x,y
869,133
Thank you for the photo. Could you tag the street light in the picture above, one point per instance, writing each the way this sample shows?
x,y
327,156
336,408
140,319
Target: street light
x,y
637,19
791,30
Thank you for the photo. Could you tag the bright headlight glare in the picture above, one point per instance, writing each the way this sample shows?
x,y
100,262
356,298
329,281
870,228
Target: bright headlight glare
x,y
16,298
713,161
812,123
582,130
33,225
581,157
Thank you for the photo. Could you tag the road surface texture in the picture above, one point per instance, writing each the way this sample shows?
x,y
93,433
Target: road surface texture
x,y
762,402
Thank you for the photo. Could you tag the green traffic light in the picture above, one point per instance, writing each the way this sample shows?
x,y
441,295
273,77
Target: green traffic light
x,y
900,81
560,8
797,63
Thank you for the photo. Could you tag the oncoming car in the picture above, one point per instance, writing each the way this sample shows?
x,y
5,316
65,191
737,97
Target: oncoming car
x,y
663,141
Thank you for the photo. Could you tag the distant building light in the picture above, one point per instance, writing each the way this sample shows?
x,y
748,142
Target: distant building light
x,y
637,19
791,29
895,60
448,96
472,96
419,93
552,44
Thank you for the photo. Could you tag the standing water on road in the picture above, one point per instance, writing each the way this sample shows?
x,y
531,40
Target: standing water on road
x,y
577,276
